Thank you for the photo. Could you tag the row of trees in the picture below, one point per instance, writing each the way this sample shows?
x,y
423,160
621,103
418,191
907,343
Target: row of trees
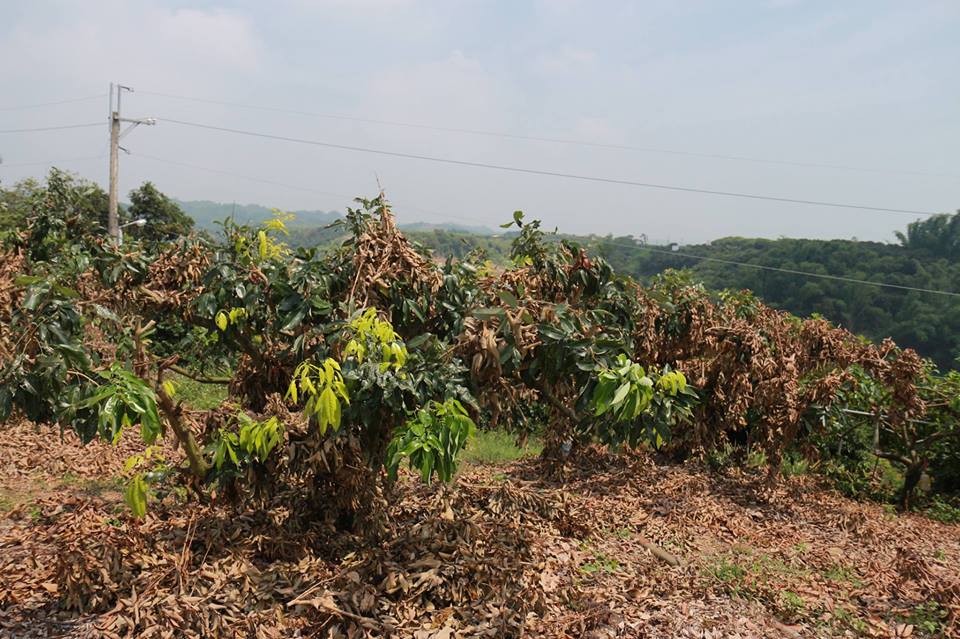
x,y
343,365
355,361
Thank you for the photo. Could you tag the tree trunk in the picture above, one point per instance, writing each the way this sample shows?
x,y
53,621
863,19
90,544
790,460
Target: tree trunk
x,y
198,465
910,480
558,445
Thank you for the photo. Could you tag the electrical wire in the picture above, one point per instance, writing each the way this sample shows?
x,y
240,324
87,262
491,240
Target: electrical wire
x,y
45,104
558,174
600,242
778,269
52,128
251,178
556,140
237,175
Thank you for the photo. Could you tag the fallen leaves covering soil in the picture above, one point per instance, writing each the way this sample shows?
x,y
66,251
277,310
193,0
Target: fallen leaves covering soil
x,y
624,548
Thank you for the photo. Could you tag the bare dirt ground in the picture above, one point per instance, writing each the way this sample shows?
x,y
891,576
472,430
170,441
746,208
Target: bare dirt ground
x,y
622,548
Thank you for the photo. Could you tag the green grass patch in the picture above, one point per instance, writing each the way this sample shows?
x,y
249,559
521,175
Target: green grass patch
x,y
744,572
728,572
197,395
843,574
930,618
498,447
792,604
794,464
942,510
757,459
872,478
601,562
844,618
600,565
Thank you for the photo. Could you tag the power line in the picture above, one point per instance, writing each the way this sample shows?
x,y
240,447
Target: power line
x,y
557,140
607,242
251,178
790,271
238,175
44,104
558,174
52,128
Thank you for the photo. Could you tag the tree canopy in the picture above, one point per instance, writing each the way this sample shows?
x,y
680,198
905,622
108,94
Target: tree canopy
x,y
165,220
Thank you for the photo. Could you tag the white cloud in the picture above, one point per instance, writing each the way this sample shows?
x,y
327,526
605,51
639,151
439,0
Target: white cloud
x,y
564,60
216,37
456,89
597,129
98,42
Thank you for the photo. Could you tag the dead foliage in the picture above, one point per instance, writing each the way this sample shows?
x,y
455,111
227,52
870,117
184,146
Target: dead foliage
x,y
174,277
11,266
494,555
383,259
756,366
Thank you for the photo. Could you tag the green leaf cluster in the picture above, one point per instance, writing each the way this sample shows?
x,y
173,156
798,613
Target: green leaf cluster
x,y
253,442
324,389
370,332
431,440
624,391
123,400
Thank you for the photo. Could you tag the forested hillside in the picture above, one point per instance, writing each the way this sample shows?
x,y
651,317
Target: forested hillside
x,y
928,257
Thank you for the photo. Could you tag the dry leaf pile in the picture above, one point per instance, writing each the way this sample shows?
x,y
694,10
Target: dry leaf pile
x,y
625,548
11,265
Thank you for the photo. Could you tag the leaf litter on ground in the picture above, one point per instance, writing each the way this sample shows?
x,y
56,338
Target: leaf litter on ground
x,y
501,553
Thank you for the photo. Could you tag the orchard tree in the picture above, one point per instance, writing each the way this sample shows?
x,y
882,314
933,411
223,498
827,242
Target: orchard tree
x,y
327,398
342,366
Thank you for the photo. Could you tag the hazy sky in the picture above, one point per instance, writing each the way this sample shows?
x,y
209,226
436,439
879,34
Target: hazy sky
x,y
866,84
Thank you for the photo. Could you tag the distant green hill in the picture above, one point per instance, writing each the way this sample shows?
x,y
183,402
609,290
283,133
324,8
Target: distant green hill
x,y
206,214
452,227
309,224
